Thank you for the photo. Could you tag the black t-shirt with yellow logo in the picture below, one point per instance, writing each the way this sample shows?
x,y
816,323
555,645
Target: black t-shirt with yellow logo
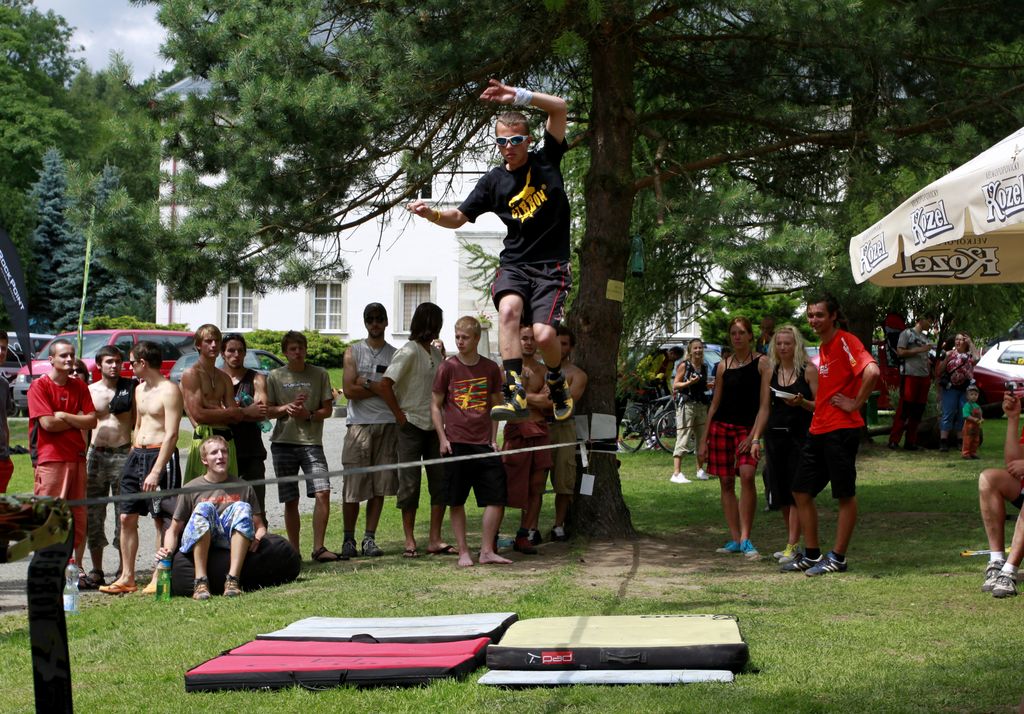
x,y
532,204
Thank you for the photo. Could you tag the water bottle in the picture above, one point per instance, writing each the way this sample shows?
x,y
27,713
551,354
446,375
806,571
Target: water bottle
x,y
163,580
71,587
244,399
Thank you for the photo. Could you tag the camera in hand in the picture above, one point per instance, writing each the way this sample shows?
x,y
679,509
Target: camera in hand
x,y
1015,388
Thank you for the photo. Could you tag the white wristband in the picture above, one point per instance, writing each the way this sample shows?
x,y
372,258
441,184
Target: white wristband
x,y
523,97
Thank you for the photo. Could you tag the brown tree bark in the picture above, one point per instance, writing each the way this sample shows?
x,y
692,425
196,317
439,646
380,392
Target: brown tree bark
x,y
604,252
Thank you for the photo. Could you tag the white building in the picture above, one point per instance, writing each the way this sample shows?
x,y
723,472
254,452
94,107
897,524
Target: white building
x,y
398,261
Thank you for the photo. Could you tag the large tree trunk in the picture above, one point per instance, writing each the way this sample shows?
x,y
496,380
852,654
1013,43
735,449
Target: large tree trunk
x,y
604,253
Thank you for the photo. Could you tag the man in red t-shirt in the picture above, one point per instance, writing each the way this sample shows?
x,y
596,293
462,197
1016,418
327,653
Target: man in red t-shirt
x,y
465,388
59,410
846,375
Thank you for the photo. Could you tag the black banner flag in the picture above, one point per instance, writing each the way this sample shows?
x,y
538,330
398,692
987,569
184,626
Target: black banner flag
x,y
14,294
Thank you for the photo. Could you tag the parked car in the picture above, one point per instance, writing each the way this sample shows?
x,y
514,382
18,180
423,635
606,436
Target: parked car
x,y
259,360
172,344
1003,362
16,355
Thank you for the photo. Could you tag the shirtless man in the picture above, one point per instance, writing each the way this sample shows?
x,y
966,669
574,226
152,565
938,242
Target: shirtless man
x,y
210,402
527,471
114,399
563,469
153,461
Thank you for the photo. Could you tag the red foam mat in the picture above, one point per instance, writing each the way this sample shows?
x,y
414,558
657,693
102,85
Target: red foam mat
x,y
272,664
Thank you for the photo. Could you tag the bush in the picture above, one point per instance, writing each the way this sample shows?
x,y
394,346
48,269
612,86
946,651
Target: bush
x,y
128,322
323,350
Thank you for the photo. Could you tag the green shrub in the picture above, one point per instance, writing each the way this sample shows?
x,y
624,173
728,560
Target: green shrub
x,y
323,350
128,322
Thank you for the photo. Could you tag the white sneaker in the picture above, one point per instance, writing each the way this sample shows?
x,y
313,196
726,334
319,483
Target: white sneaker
x,y
679,478
701,476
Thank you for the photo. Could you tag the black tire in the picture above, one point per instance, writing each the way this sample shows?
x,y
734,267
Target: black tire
x,y
632,428
665,430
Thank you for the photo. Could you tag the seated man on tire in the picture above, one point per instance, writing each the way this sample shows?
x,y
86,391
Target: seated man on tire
x,y
215,517
996,488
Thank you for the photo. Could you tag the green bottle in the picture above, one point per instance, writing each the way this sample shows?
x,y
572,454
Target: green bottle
x,y
163,580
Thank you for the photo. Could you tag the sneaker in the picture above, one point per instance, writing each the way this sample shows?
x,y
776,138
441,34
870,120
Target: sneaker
x,y
201,589
828,564
369,547
749,551
560,398
522,545
730,547
515,406
679,478
231,587
801,564
1004,586
558,535
701,476
991,573
535,538
787,555
348,550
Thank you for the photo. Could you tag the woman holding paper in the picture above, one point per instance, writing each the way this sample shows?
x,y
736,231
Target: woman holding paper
x,y
728,444
794,385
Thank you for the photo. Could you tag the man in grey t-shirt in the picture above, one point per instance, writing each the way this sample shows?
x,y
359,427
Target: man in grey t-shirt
x,y
915,382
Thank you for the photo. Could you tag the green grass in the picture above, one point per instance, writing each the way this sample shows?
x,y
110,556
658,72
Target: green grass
x,y
906,629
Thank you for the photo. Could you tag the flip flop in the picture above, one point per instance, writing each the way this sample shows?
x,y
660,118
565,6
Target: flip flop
x,y
446,550
410,553
118,589
318,556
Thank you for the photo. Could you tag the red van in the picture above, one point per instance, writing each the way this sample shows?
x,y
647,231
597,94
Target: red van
x,y
172,345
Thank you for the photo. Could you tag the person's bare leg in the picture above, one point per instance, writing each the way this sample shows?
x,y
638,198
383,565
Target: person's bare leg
x,y
792,519
321,514
677,464
748,501
730,506
808,513
547,344
96,556
562,502
239,549
436,521
458,519
491,523
409,528
374,507
510,311
995,488
847,520
129,547
201,554
350,516
538,479
292,523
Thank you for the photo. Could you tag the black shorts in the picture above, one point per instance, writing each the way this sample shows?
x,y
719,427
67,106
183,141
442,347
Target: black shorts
x,y
136,468
485,476
783,451
829,457
543,287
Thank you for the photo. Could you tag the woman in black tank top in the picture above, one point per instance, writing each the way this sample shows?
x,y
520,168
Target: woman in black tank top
x,y
738,412
794,385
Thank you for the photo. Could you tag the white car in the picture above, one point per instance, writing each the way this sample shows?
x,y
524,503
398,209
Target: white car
x,y
1002,363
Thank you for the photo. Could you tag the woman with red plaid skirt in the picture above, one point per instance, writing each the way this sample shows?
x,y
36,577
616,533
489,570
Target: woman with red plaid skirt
x,y
739,409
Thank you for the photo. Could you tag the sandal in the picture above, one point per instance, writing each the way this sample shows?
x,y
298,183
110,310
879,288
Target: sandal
x,y
443,550
410,553
318,556
118,589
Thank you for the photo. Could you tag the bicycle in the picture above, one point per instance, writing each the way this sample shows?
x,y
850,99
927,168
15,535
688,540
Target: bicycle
x,y
650,424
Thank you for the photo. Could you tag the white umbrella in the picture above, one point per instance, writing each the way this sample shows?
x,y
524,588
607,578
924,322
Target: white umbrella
x,y
966,227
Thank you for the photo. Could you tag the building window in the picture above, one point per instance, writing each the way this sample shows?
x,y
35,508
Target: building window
x,y
411,295
238,307
327,306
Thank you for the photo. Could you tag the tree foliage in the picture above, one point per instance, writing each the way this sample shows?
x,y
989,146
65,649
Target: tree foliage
x,y
755,135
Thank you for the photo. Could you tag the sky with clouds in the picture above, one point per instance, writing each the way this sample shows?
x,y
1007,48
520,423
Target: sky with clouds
x,y
102,26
